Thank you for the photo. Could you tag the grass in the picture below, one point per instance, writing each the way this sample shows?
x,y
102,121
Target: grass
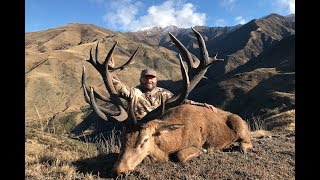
x,y
280,121
284,120
49,155
255,124
60,124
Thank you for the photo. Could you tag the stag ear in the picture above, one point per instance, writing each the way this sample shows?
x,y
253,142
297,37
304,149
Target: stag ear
x,y
165,128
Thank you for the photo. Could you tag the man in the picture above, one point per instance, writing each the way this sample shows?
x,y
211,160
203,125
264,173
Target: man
x,y
147,95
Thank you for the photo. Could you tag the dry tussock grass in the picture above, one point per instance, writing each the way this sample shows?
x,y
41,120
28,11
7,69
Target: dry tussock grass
x,y
51,156
284,120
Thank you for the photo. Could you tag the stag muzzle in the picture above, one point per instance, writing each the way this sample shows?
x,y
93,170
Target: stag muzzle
x,y
121,169
129,160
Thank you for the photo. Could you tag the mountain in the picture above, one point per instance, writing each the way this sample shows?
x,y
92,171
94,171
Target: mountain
x,y
255,80
54,59
236,44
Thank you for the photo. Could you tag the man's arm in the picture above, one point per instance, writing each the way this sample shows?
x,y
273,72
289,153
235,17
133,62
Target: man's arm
x,y
214,109
166,94
122,90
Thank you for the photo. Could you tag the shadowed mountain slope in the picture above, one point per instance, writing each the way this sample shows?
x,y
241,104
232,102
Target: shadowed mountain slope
x,y
262,87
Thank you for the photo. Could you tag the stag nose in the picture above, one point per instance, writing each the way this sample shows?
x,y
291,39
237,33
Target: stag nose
x,y
121,170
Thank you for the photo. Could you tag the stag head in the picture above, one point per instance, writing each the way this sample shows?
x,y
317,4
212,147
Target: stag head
x,y
139,141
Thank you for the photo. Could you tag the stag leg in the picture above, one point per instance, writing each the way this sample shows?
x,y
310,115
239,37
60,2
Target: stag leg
x,y
242,131
188,153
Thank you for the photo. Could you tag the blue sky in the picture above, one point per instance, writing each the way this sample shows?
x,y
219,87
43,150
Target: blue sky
x,y
132,15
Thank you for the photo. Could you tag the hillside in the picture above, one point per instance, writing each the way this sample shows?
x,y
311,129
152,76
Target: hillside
x,y
54,60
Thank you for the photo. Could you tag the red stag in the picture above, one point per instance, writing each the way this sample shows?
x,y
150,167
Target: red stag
x,y
173,128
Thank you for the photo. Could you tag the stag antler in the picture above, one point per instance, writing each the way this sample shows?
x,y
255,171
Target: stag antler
x,y
197,70
120,114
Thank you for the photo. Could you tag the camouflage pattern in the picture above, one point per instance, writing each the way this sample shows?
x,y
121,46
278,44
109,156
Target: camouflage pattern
x,y
144,102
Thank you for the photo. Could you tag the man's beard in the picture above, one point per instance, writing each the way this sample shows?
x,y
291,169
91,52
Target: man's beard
x,y
149,86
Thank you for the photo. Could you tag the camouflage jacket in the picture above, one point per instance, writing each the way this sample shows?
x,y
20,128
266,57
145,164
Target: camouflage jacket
x,y
144,102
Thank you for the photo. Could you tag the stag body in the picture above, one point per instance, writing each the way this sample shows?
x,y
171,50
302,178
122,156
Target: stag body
x,y
184,131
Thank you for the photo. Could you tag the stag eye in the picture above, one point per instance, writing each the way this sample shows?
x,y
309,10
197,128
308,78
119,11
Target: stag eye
x,y
143,142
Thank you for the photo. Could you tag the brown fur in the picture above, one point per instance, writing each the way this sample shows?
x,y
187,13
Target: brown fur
x,y
184,130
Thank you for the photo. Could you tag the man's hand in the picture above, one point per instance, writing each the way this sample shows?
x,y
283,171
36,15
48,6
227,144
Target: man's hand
x,y
214,109
111,62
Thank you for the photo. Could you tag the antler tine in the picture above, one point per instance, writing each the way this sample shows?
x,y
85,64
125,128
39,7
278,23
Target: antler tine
x,y
132,113
95,106
130,61
206,60
203,51
109,55
177,100
103,111
92,102
94,61
96,54
214,57
86,87
192,61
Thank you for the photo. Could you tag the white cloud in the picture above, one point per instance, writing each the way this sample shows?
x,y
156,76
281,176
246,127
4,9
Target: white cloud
x,y
240,20
228,4
121,13
126,15
220,22
289,5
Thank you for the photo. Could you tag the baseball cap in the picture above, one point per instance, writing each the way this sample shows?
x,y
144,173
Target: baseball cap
x,y
148,72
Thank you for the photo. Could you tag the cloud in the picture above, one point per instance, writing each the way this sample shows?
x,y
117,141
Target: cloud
x,y
228,4
120,14
289,5
240,20
97,1
126,15
220,22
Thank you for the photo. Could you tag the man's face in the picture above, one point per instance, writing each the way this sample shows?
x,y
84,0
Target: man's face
x,y
148,82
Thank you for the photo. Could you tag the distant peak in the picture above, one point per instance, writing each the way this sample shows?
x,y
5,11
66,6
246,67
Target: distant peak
x,y
153,28
272,15
149,28
73,24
